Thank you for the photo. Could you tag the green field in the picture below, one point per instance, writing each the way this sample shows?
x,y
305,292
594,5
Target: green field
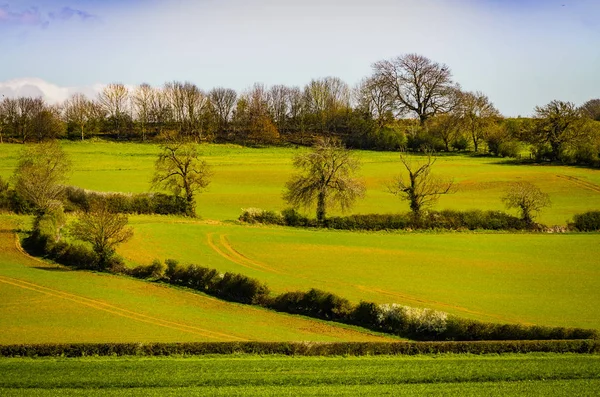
x,y
526,278
546,279
516,375
247,177
44,304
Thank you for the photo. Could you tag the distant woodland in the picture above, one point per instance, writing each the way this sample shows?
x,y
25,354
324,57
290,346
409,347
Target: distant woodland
x,y
407,102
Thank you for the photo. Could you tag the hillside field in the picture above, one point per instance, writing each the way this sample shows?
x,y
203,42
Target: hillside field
x,y
248,177
45,304
546,279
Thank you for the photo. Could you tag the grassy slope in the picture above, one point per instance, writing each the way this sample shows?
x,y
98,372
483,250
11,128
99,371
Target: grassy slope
x,y
42,304
548,279
245,177
274,376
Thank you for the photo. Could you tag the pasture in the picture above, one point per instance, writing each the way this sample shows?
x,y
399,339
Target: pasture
x,y
506,375
249,177
42,303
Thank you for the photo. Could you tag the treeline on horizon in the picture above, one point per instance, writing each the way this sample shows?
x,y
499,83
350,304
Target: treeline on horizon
x,y
407,102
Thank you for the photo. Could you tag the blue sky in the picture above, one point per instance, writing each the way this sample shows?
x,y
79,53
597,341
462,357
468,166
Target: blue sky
x,y
520,53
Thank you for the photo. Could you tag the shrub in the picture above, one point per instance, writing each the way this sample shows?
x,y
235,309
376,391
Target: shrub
x,y
291,217
314,303
587,222
239,288
257,215
406,320
509,149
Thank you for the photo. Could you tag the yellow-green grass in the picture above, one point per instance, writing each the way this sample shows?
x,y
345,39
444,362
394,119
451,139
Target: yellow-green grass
x,y
44,304
545,279
248,177
445,375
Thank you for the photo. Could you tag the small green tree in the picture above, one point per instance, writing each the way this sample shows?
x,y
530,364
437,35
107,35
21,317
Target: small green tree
x,y
326,176
528,198
180,170
103,229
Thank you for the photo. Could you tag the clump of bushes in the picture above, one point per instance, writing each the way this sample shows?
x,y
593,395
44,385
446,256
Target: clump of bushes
x,y
587,222
77,199
314,303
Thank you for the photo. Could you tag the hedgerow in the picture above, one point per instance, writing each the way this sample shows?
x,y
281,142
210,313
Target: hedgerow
x,y
299,348
447,219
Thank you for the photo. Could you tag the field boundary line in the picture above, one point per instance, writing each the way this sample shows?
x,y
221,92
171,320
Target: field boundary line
x,y
114,309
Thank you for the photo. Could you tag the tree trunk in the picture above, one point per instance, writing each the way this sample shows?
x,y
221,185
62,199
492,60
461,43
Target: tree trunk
x,y
321,208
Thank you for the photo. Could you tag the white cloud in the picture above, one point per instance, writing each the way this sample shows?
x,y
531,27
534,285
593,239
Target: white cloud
x,y
51,93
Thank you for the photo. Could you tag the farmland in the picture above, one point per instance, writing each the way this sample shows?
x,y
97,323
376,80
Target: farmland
x,y
528,278
45,304
500,277
248,177
535,374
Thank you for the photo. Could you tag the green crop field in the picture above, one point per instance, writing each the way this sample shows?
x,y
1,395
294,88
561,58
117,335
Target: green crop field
x,y
500,277
508,375
44,304
546,279
247,177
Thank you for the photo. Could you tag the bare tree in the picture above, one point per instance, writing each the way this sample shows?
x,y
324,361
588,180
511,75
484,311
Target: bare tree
x,y
103,229
528,198
324,98
279,105
142,99
79,111
478,113
592,109
421,189
223,102
416,84
327,177
374,98
180,170
40,175
114,99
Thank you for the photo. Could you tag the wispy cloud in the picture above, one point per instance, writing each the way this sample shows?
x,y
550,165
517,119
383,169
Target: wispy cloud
x,y
33,16
52,93
67,13
29,17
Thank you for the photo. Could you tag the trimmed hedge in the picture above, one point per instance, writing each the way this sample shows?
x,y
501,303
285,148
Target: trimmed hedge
x,y
141,203
299,348
447,219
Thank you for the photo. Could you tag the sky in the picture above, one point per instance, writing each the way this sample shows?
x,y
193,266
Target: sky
x,y
520,53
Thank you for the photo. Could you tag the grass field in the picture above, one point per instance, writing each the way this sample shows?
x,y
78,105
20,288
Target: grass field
x,y
43,304
246,177
516,375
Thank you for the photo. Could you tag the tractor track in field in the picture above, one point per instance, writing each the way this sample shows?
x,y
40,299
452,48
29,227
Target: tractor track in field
x,y
585,184
237,257
106,307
